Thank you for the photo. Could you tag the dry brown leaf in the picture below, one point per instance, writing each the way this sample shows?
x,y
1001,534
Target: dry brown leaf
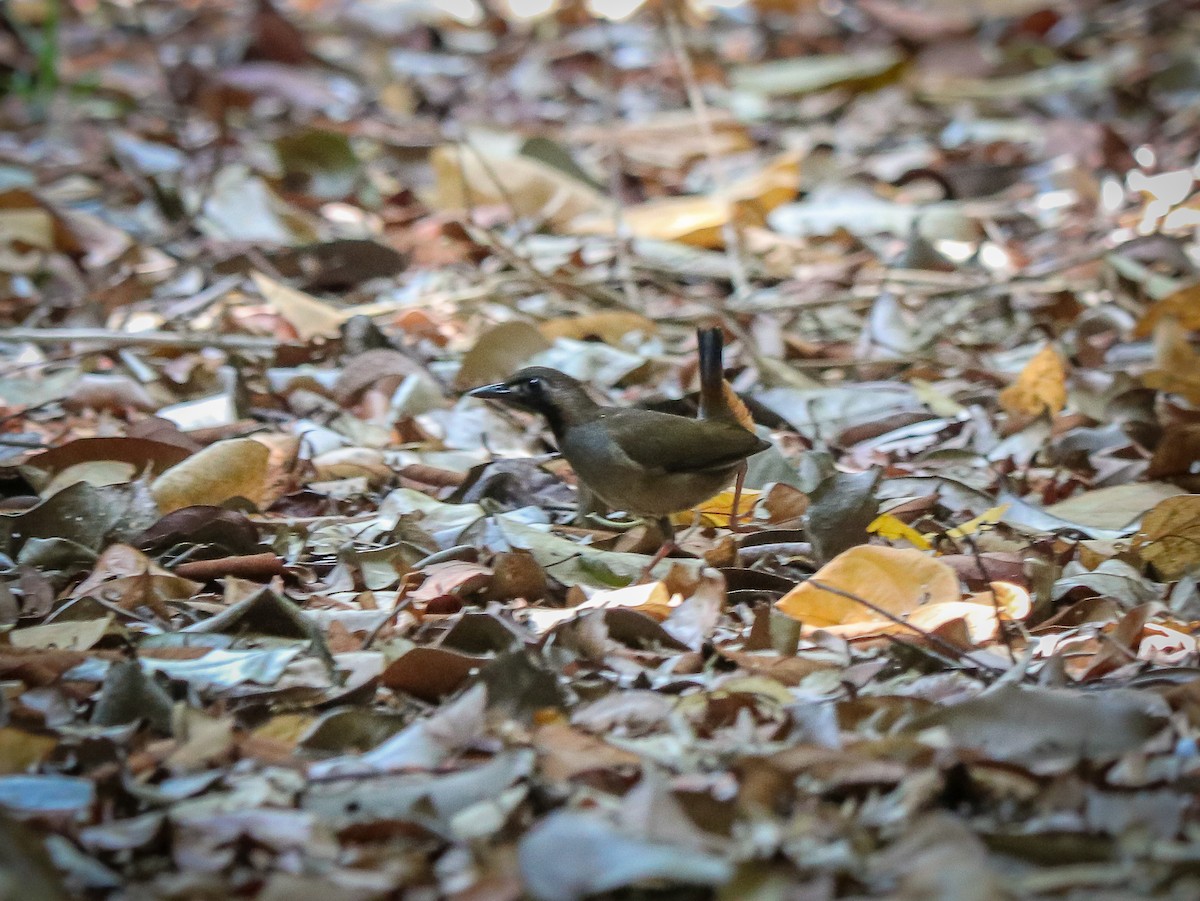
x,y
308,315
565,752
381,366
898,580
1170,536
1182,305
353,462
1041,386
225,470
1176,365
498,353
1178,450
468,178
699,220
784,503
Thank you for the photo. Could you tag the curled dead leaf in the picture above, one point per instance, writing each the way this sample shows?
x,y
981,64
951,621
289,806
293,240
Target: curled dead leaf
x,y
222,471
1041,386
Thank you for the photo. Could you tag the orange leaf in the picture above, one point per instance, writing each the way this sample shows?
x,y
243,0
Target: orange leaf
x,y
1175,363
1041,386
1183,305
898,580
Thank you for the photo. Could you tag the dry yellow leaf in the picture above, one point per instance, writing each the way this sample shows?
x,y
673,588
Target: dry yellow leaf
x,y
225,470
898,580
1183,305
308,315
985,519
466,178
699,221
1041,386
891,528
1170,535
287,728
938,403
20,751
32,227
652,599
1176,365
610,326
717,509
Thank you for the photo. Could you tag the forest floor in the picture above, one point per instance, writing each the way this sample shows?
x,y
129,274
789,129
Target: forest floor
x,y
286,616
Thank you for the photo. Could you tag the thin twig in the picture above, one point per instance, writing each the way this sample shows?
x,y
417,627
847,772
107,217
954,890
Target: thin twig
x,y
597,293
185,340
1004,636
620,229
733,242
944,645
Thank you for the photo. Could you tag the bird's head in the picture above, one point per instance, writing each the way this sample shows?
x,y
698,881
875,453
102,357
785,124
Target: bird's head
x,y
555,395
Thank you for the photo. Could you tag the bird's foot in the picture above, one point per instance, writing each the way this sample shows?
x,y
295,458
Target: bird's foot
x,y
646,575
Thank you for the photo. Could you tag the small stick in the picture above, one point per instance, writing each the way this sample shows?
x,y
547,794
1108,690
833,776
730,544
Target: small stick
x,y
695,95
1004,636
924,633
187,341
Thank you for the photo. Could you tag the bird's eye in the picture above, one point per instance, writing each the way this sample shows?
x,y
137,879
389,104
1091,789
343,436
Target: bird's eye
x,y
535,383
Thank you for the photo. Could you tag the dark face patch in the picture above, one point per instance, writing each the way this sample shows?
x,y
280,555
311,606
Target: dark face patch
x,y
548,392
530,391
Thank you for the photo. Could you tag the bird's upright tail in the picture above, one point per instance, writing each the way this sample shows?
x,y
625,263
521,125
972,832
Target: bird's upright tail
x,y
717,398
711,344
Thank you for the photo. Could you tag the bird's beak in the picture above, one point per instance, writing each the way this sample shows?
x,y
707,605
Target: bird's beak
x,y
498,391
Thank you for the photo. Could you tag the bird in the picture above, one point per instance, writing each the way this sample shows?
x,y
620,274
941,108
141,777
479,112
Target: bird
x,y
643,462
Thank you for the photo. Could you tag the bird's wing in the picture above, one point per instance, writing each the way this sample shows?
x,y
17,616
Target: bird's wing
x,y
678,444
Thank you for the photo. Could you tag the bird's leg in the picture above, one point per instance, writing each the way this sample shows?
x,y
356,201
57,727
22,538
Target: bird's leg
x,y
668,545
586,504
734,526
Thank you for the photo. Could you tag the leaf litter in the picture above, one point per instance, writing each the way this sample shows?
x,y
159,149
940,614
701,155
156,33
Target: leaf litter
x,y
284,615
